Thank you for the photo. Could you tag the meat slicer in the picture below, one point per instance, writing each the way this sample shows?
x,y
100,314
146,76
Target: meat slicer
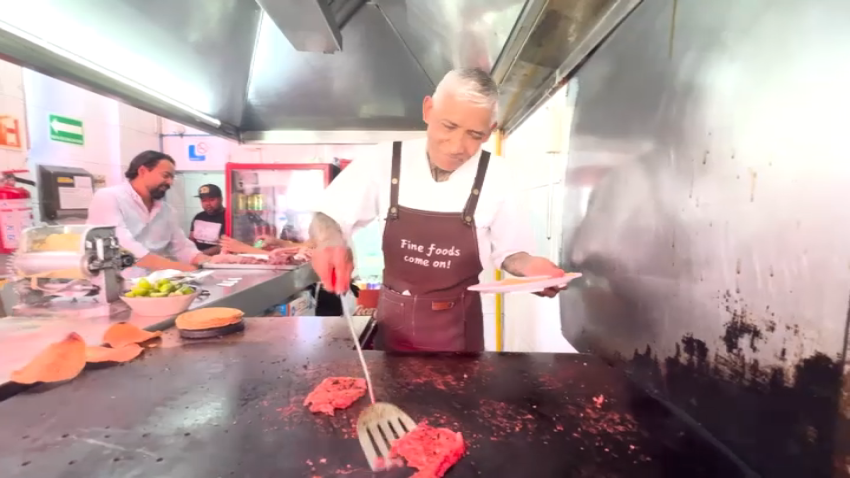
x,y
68,270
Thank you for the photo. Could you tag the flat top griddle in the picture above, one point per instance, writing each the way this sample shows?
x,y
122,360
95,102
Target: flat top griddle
x,y
233,407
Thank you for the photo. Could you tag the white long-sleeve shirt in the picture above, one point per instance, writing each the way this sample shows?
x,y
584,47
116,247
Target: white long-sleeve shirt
x,y
140,231
361,194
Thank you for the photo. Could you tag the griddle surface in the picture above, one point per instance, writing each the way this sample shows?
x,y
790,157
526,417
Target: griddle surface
x,y
233,407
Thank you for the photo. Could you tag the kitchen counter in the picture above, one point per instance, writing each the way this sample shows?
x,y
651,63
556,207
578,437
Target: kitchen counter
x,y
21,338
234,407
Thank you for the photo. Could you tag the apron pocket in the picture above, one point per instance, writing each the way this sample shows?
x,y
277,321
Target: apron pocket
x,y
432,324
440,323
392,316
389,309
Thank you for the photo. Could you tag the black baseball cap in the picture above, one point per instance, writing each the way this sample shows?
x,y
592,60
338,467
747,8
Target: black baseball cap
x,y
209,191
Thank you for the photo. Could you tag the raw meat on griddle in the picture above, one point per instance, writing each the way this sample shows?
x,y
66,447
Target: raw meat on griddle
x,y
335,393
432,451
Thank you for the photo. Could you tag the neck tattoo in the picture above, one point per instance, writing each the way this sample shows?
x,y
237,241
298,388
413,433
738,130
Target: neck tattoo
x,y
438,173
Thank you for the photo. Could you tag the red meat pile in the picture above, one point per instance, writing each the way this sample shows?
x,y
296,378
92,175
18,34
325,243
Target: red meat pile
x,y
277,257
234,259
284,257
430,450
335,393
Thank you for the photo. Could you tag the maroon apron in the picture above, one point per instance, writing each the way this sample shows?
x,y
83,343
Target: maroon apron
x,y
433,256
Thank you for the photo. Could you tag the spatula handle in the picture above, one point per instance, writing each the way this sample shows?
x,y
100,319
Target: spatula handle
x,y
347,313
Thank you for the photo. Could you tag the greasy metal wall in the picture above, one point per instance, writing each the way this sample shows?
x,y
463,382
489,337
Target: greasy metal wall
x,y
708,208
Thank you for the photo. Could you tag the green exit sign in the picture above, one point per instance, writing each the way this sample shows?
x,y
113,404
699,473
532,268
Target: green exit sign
x,y
66,130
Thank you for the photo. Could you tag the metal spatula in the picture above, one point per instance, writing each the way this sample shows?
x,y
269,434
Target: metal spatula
x,y
380,424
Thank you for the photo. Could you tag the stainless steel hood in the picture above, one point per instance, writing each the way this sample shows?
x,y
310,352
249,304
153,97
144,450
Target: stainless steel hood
x,y
308,25
336,71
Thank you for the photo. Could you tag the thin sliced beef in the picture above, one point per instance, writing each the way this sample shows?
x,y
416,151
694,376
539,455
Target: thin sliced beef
x,y
335,393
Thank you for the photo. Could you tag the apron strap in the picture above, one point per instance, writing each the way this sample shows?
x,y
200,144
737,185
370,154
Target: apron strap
x,y
472,201
395,175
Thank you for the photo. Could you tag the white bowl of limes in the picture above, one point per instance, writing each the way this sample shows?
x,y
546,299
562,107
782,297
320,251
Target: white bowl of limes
x,y
160,298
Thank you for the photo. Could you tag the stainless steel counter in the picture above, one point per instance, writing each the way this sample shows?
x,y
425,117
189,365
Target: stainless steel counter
x,y
21,338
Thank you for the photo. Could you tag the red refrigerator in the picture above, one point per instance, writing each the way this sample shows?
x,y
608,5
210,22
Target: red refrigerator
x,y
275,199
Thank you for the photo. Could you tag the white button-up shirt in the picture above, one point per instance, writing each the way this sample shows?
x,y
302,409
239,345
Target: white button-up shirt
x,y
140,231
361,194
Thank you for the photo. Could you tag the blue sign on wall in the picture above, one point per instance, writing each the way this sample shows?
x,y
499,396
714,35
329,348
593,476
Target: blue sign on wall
x,y
196,153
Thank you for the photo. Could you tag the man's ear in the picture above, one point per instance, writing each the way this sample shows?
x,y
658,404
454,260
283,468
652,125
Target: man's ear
x,y
490,133
427,107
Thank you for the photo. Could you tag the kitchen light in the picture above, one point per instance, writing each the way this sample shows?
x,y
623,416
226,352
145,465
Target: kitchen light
x,y
106,72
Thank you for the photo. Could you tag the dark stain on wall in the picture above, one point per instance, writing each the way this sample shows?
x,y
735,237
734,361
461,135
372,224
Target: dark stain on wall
x,y
780,425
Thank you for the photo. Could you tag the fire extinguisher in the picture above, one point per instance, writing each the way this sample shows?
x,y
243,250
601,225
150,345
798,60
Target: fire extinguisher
x,y
15,210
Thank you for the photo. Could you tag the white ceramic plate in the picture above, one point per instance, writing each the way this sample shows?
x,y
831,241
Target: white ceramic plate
x,y
160,306
524,284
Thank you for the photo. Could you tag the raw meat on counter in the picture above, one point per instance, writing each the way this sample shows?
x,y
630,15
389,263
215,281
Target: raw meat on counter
x,y
430,450
279,257
335,393
235,259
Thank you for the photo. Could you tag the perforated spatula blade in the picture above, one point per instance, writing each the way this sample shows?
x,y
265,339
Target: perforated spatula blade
x,y
379,424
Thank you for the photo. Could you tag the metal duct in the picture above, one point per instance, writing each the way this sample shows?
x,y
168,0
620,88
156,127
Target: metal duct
x,y
309,25
265,77
565,34
343,10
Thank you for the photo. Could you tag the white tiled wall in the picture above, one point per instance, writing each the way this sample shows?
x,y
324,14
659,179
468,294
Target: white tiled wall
x,y
538,148
12,106
114,132
220,151
137,131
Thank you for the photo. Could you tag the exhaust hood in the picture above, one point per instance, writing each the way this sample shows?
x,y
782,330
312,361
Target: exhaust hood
x,y
308,25
290,71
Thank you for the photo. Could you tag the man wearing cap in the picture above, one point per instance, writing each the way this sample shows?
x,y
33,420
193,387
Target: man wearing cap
x,y
208,225
146,225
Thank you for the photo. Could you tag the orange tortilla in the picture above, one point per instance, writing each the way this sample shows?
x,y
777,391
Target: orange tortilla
x,y
107,354
59,362
122,334
208,318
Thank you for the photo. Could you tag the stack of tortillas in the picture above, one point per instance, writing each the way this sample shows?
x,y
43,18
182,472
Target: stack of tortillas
x,y
210,322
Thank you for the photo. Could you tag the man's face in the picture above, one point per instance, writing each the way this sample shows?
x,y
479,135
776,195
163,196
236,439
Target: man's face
x,y
211,205
456,130
159,179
